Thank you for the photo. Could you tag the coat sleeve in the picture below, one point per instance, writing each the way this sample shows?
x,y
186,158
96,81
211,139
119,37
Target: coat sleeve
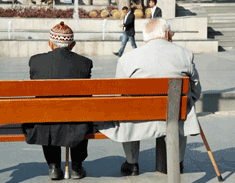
x,y
160,13
119,71
91,66
32,70
194,82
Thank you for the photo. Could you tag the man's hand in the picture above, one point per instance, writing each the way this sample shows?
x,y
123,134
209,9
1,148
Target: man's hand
x,y
121,25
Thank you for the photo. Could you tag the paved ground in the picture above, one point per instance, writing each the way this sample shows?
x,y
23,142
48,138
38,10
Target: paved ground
x,y
25,163
216,70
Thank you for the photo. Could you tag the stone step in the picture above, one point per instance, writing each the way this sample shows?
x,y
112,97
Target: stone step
x,y
43,35
203,12
222,29
209,9
227,43
197,26
220,14
224,38
23,48
221,21
222,17
208,6
205,2
225,34
218,9
95,36
229,48
188,4
204,6
220,33
218,21
183,14
190,8
221,25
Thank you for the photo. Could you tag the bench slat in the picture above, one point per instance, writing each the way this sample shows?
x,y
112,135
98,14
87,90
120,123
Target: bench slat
x,y
12,138
21,137
87,87
96,136
86,109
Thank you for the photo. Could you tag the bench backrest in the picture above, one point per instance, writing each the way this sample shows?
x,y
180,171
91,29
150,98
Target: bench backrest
x,y
113,99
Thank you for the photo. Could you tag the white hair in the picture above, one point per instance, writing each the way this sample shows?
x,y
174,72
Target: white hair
x,y
61,44
155,29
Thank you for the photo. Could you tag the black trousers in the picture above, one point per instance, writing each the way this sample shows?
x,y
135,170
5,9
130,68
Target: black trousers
x,y
78,154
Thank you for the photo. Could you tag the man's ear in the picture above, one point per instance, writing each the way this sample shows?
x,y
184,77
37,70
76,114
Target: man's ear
x,y
51,45
168,36
72,45
171,35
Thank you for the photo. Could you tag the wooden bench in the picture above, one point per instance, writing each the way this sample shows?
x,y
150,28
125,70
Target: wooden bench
x,y
112,100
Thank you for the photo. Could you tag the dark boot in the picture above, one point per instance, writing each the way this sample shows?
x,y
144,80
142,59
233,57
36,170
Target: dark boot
x,y
128,169
55,172
77,171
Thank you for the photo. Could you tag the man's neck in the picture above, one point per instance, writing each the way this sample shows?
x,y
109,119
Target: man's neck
x,y
154,6
157,38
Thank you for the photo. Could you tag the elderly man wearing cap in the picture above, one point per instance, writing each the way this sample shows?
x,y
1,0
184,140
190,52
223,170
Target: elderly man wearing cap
x,y
60,63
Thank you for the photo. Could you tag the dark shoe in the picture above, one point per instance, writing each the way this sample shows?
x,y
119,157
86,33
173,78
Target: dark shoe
x,y
181,167
78,174
55,172
117,54
128,169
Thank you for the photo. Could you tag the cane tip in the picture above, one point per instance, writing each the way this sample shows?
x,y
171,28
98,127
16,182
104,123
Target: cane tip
x,y
66,175
220,179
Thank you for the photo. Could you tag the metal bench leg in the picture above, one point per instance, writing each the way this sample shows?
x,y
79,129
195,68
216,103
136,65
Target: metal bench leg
x,y
211,155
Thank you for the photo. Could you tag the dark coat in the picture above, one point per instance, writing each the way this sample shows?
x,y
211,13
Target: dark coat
x,y
130,24
58,64
157,13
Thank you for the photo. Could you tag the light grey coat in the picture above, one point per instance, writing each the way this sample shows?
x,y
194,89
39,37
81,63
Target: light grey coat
x,y
157,58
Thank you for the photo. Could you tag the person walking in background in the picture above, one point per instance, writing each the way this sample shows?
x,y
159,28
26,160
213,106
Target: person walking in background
x,y
155,11
129,30
60,63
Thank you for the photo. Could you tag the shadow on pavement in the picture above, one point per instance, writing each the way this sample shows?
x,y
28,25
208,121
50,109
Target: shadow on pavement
x,y
220,91
110,166
25,171
224,159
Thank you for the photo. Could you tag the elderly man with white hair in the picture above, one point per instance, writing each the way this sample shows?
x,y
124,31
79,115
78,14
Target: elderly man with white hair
x,y
159,57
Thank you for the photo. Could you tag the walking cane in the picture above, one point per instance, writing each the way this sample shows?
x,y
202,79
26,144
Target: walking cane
x,y
66,174
211,155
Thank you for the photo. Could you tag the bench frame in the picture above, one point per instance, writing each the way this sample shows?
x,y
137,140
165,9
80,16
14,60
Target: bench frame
x,y
156,98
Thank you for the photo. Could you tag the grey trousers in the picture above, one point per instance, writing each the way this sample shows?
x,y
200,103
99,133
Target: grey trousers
x,y
132,149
